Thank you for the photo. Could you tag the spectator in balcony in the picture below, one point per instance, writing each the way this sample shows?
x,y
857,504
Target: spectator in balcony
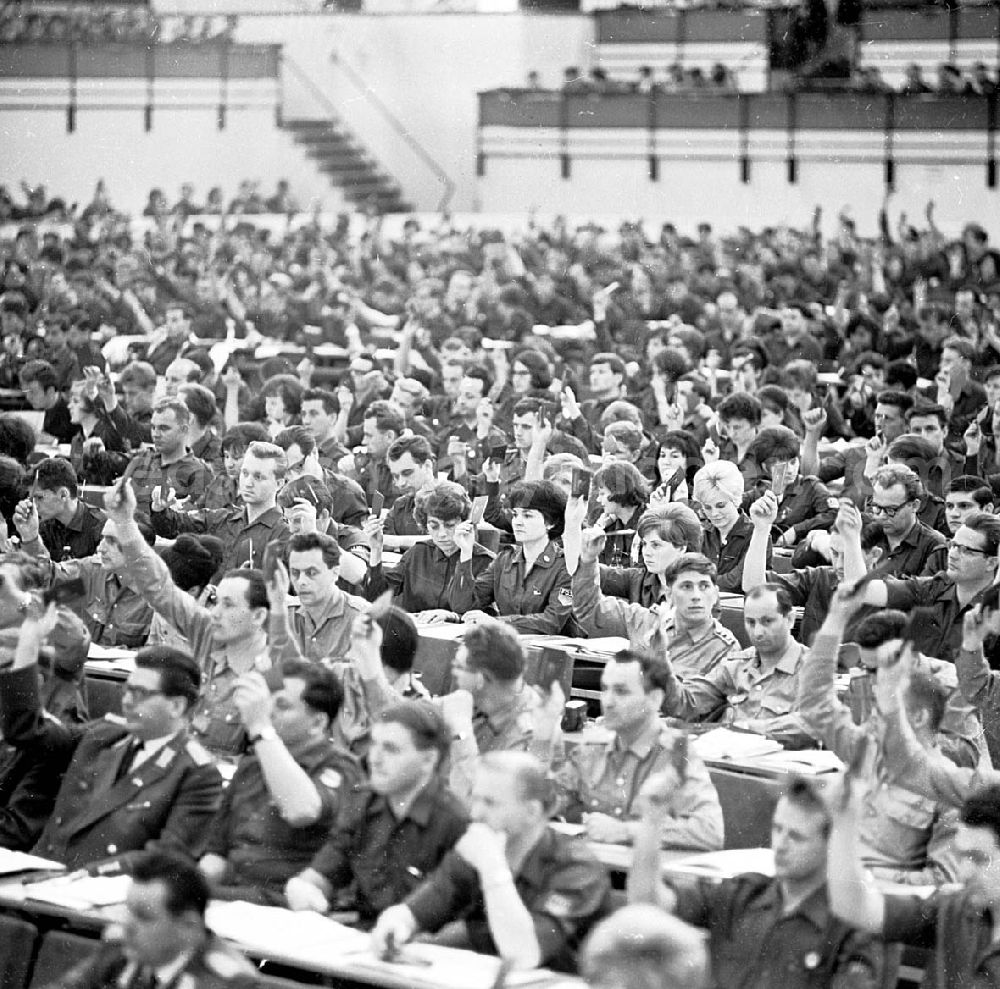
x,y
214,204
156,204
646,83
573,82
248,200
914,81
951,81
982,82
282,201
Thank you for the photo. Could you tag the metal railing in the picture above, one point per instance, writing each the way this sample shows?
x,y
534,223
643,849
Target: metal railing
x,y
373,100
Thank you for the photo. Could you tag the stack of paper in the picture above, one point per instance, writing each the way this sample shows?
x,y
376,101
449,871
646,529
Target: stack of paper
x,y
276,932
723,745
726,864
449,631
805,761
14,862
80,893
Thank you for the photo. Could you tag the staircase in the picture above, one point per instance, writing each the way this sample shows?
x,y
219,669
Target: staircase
x,y
349,165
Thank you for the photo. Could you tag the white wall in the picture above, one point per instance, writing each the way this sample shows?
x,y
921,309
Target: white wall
x,y
184,145
427,69
696,189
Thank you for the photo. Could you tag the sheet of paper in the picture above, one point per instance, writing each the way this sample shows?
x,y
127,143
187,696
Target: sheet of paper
x,y
806,761
13,862
723,744
84,893
727,863
276,931
114,654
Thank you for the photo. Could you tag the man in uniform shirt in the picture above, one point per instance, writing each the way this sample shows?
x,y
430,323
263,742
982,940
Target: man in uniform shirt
x,y
169,464
411,463
143,784
943,599
914,548
226,641
764,932
511,886
246,530
600,782
907,837
113,611
491,708
163,940
69,527
397,829
279,807
383,423
959,924
318,626
319,413
758,688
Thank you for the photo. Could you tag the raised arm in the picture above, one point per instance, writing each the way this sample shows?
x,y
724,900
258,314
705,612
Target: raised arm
x,y
763,512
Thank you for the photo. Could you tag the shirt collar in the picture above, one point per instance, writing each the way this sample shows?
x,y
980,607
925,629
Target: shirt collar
x,y
642,745
813,907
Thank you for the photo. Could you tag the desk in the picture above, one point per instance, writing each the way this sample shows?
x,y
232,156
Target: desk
x,y
304,942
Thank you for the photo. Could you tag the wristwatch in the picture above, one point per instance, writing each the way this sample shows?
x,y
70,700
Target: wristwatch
x,y
267,734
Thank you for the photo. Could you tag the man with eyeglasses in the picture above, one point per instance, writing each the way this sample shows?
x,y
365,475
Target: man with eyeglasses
x,y
938,603
914,548
132,784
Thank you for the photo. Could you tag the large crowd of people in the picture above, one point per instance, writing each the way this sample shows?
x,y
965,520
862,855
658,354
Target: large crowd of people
x,y
545,431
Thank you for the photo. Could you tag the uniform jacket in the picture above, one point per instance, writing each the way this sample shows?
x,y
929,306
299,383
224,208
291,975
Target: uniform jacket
x,y
540,601
166,802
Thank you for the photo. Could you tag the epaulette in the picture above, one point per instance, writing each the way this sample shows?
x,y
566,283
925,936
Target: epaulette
x,y
199,754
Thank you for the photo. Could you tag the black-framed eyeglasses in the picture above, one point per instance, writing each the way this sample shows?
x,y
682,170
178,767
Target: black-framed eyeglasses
x,y
889,511
964,550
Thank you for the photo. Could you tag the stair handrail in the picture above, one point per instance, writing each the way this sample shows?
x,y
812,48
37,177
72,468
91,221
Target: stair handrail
x,y
397,125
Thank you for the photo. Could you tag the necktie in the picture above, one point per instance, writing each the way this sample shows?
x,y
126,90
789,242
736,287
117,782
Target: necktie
x,y
132,749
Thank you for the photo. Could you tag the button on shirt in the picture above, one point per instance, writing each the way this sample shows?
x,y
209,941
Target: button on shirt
x,y
966,955
564,888
605,778
745,689
383,858
756,944
326,635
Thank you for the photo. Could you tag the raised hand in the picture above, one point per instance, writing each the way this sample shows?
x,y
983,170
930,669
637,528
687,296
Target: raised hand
x,y
26,520
764,511
120,503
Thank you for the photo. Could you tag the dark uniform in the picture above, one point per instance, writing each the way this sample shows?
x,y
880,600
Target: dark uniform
x,y
104,809
245,542
215,965
754,944
962,932
114,613
188,476
77,538
728,557
922,552
214,720
384,858
565,889
425,577
401,521
539,601
262,849
804,507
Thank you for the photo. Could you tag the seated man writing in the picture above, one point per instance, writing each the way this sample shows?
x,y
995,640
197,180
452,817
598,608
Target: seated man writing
x,y
511,885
